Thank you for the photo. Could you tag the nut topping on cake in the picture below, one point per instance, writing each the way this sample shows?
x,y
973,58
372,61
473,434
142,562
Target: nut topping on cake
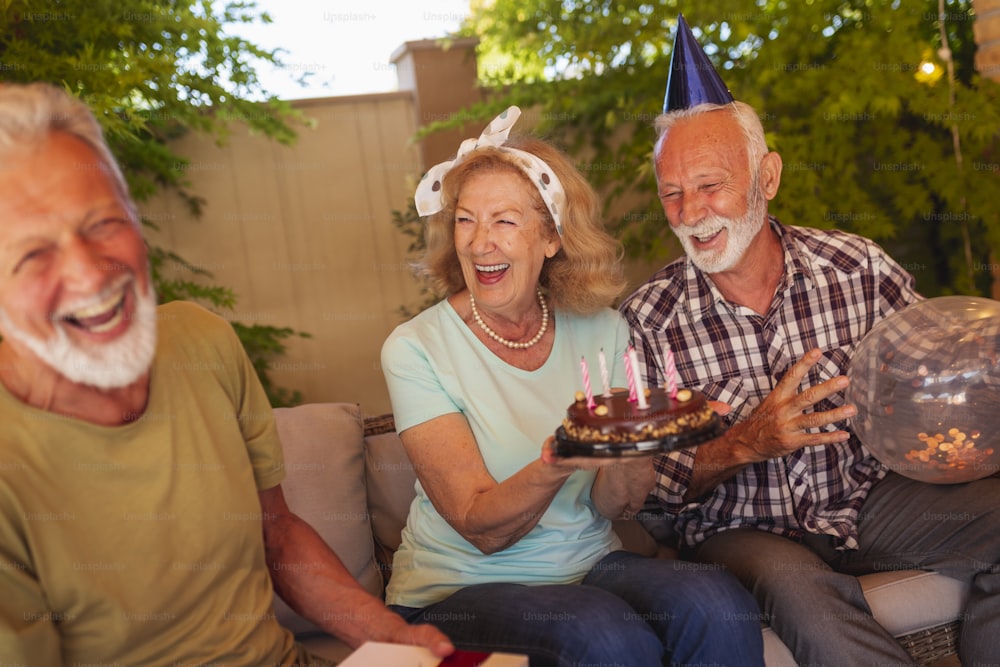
x,y
615,419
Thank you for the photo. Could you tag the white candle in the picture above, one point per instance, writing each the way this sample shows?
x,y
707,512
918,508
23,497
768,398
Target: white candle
x,y
605,383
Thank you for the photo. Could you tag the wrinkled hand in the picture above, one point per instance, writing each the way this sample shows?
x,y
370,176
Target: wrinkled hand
x,y
621,485
777,427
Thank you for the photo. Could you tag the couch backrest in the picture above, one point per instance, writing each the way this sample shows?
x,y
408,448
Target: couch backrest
x,y
326,485
390,481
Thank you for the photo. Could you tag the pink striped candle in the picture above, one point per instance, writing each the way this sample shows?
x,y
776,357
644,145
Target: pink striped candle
x,y
586,384
630,376
671,371
605,384
640,388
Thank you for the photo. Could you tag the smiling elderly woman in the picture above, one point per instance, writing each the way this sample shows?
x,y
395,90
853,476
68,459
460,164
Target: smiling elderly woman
x,y
507,546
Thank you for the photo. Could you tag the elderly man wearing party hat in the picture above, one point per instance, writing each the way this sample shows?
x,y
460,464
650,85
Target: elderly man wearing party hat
x,y
508,546
763,316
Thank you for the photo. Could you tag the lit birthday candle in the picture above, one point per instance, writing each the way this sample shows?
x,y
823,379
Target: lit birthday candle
x,y
605,384
671,372
586,384
640,389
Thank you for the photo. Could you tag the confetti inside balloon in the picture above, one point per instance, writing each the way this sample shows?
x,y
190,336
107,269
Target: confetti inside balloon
x,y
926,385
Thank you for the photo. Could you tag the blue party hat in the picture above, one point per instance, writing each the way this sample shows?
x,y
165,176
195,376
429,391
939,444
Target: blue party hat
x,y
693,79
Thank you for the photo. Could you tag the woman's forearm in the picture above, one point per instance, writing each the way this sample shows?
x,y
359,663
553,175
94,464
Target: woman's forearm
x,y
498,517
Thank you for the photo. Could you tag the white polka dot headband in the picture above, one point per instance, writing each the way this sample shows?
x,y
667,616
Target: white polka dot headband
x,y
428,196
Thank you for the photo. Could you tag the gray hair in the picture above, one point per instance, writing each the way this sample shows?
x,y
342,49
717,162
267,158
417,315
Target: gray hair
x,y
29,113
745,116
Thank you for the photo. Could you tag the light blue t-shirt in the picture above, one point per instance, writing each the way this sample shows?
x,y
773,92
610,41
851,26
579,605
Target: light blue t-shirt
x,y
434,365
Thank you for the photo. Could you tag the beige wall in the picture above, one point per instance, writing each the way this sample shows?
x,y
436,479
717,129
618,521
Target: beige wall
x,y
987,36
443,79
304,236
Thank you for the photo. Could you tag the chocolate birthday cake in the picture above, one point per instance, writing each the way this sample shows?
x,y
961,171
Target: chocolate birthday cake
x,y
616,426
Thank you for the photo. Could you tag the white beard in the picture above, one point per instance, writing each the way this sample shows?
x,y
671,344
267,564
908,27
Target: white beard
x,y
108,366
740,233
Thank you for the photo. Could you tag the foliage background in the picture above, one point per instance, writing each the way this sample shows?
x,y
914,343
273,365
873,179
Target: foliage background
x,y
871,143
152,70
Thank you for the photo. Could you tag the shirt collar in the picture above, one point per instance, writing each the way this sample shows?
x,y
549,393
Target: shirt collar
x,y
795,265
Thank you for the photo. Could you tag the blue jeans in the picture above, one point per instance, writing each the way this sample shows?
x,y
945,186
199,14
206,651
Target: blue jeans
x,y
629,611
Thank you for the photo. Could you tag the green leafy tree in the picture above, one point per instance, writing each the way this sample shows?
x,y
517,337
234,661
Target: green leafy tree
x,y
884,126
153,70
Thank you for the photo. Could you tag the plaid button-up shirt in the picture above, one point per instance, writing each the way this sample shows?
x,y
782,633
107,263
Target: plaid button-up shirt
x,y
835,287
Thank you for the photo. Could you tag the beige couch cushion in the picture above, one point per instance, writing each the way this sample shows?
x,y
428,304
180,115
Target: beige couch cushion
x,y
325,486
907,601
390,480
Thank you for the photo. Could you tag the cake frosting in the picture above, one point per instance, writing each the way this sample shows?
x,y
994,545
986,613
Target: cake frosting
x,y
615,419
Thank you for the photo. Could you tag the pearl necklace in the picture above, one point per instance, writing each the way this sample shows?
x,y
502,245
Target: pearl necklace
x,y
509,343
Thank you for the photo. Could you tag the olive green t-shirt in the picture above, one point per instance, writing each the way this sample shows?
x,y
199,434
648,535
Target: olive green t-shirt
x,y
142,544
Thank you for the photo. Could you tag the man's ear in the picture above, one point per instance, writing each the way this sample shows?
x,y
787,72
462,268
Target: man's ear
x,y
770,174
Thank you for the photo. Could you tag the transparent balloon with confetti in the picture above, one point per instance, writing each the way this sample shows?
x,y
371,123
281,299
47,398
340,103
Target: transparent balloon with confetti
x,y
926,384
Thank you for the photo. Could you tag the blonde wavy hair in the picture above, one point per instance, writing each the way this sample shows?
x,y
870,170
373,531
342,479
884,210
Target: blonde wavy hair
x,y
584,276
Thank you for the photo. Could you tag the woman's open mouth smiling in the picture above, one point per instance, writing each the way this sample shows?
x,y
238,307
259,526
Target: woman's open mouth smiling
x,y
491,273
